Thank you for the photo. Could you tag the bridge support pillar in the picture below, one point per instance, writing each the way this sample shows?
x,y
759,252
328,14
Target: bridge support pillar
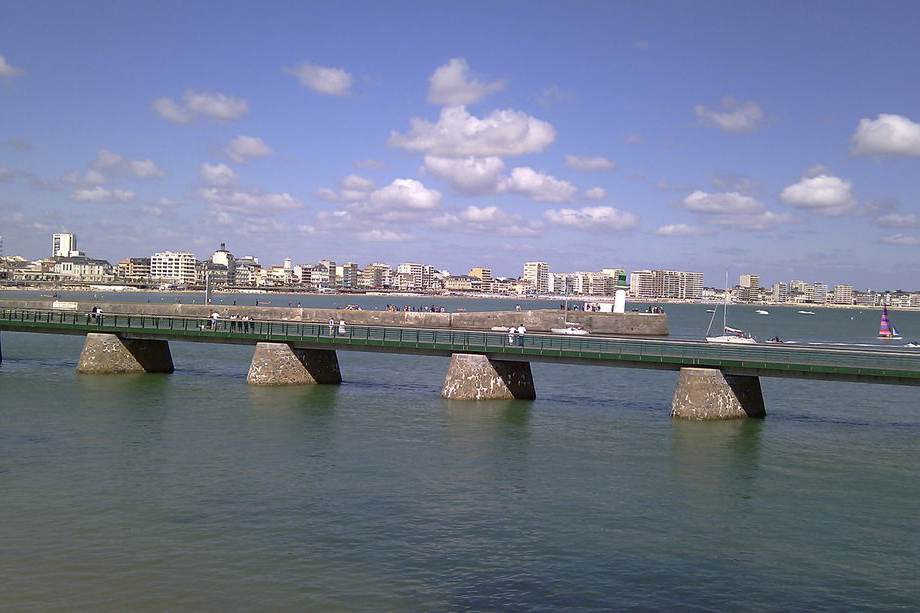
x,y
281,364
476,377
107,353
708,393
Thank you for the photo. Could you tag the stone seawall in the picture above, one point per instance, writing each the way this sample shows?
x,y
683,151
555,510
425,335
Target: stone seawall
x,y
629,324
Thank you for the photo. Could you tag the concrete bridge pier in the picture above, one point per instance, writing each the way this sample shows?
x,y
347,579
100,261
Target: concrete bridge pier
x,y
109,354
708,393
476,377
281,364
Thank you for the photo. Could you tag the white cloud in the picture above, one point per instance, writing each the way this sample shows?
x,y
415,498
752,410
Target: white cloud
x,y
7,71
244,147
902,240
144,169
331,81
681,229
106,159
897,220
487,220
734,117
593,218
354,188
887,134
538,186
101,194
595,193
356,183
383,236
733,209
217,174
589,163
247,201
404,194
822,194
91,177
457,133
214,105
453,84
467,175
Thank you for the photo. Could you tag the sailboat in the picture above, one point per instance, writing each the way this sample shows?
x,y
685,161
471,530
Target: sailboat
x,y
886,329
729,335
570,328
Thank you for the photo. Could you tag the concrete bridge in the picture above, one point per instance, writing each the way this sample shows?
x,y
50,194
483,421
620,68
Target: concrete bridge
x,y
715,381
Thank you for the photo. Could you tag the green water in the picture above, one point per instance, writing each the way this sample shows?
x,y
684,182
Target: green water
x,y
194,491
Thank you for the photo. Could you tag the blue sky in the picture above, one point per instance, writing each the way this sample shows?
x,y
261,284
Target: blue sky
x,y
778,138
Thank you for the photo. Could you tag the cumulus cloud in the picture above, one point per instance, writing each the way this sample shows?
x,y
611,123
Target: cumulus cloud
x,y
353,188
487,220
595,193
458,134
734,116
383,236
404,194
823,194
902,240
7,71
898,220
681,229
733,209
593,218
453,84
90,177
144,169
887,134
538,186
330,81
589,163
214,105
244,147
468,175
217,174
106,159
101,194
247,201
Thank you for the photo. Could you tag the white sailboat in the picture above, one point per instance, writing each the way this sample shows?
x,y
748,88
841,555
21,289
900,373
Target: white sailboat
x,y
570,328
729,335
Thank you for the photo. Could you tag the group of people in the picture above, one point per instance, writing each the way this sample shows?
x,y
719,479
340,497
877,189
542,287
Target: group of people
x,y
432,308
332,329
242,323
654,309
520,331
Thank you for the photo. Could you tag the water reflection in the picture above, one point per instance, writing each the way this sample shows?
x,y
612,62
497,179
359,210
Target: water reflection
x,y
714,458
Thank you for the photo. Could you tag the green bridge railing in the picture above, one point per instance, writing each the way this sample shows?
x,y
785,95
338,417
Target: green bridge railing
x,y
856,363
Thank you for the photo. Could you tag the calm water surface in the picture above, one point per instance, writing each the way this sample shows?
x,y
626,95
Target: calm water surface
x,y
194,491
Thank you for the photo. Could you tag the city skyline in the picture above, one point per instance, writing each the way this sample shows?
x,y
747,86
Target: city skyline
x,y
665,135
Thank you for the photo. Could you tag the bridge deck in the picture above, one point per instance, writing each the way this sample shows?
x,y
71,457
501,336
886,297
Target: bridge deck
x,y
840,364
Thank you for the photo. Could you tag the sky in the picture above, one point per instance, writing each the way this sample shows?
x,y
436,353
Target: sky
x,y
774,138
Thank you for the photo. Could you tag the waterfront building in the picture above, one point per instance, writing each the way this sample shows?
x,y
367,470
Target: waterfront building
x,y
537,275
562,283
666,284
458,283
780,292
347,275
84,269
222,257
422,274
64,245
376,275
484,275
843,294
134,269
173,267
246,270
819,292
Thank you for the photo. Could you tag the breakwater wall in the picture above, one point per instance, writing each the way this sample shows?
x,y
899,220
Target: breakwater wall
x,y
540,320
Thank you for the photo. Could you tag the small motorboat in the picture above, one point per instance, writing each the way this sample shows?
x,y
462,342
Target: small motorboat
x,y
762,312
806,312
571,330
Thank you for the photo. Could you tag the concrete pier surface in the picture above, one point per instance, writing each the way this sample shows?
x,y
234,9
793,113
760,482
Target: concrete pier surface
x,y
707,393
539,320
281,364
108,354
476,377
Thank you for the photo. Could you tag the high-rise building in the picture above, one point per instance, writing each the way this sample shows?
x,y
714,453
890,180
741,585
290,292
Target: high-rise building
x,y
347,274
780,292
666,284
843,294
485,277
63,245
173,267
750,281
819,292
537,275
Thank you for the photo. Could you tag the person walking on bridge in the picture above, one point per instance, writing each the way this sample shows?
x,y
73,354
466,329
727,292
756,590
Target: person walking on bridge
x,y
521,331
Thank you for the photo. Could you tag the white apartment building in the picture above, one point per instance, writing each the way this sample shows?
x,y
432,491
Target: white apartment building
x,y
63,245
173,267
819,292
666,284
537,275
780,292
843,294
